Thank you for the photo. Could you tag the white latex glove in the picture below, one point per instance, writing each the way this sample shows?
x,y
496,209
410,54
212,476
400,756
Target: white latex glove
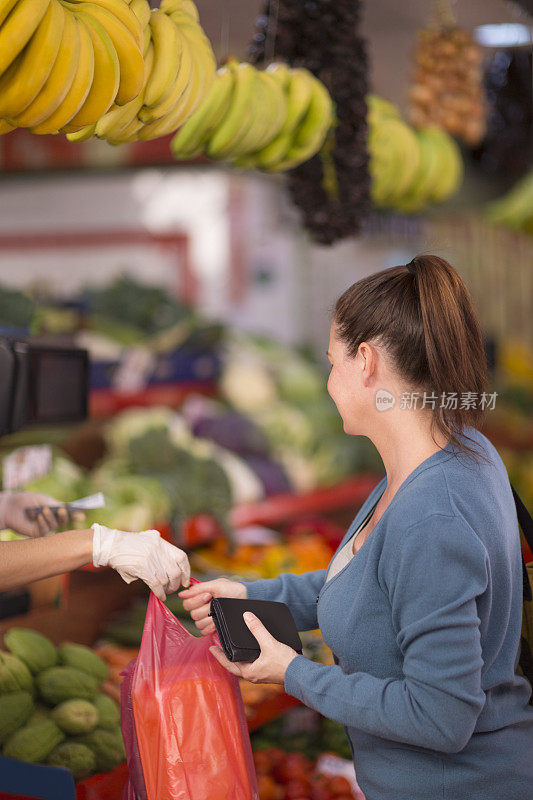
x,y
145,555
12,513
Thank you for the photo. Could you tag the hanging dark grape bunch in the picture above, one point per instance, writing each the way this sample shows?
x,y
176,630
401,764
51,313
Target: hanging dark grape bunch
x,y
332,189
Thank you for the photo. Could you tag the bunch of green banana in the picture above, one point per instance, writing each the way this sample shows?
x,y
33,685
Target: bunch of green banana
x,y
64,62
270,120
409,169
178,72
515,209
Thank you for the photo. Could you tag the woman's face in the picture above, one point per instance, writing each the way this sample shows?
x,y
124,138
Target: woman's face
x,y
345,384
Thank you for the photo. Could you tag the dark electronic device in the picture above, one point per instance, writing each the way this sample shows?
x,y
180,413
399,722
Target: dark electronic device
x,y
41,385
236,638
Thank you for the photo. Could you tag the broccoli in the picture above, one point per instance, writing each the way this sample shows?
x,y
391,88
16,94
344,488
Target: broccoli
x,y
193,485
16,308
148,308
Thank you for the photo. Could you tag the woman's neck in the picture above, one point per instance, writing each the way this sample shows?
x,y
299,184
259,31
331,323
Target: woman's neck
x,y
403,447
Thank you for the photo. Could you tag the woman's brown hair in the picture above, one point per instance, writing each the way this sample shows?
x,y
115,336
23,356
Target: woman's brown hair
x,y
422,314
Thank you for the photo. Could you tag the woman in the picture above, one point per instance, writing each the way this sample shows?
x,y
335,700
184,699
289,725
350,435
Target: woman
x,y
422,608
163,567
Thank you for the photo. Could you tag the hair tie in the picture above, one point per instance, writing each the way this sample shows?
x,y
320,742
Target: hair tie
x,y
411,267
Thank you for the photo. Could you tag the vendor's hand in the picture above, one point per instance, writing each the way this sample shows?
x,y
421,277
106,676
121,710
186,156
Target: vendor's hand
x,y
145,555
13,507
198,598
272,663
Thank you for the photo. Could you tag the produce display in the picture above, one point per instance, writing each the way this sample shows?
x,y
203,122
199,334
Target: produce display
x,y
273,430
110,321
272,119
123,313
514,209
318,736
332,189
447,83
305,552
410,169
107,68
52,709
286,775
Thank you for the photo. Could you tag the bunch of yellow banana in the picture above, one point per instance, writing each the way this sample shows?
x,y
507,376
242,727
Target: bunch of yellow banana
x,y
64,62
271,120
110,68
179,68
409,169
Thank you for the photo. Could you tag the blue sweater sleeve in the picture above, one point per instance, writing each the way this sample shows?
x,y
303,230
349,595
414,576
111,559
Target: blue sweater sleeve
x,y
437,569
299,592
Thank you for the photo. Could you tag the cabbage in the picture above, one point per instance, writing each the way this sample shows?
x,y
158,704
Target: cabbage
x,y
65,481
299,381
134,422
247,385
133,502
286,427
245,485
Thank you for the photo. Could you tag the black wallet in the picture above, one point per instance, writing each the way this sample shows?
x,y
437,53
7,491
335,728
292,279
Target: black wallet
x,y
235,636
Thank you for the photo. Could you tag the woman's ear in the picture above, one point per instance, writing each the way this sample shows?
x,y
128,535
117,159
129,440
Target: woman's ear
x,y
367,361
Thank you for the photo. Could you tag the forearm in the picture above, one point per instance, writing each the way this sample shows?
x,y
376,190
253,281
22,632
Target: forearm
x,y
298,592
22,562
406,711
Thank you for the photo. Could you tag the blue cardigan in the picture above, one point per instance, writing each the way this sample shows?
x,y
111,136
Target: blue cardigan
x,y
424,624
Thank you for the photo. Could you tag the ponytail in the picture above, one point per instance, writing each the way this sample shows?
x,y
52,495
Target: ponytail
x,y
423,316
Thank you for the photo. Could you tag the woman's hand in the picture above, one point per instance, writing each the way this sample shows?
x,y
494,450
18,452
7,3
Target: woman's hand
x,y
145,555
272,663
13,507
197,600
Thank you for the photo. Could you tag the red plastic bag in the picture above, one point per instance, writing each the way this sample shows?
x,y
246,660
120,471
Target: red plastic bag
x,y
189,717
135,788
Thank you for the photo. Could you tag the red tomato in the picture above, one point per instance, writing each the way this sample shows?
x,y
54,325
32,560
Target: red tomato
x,y
339,786
320,792
297,790
262,762
295,767
268,789
199,530
276,755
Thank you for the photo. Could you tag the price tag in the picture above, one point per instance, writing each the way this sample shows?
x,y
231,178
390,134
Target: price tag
x,y
26,464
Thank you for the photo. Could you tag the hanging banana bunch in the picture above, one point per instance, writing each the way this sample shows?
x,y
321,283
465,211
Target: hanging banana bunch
x,y
102,68
409,169
270,120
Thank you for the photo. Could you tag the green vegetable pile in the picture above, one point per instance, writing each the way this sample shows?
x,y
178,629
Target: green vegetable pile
x,y
51,708
148,309
16,308
323,735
